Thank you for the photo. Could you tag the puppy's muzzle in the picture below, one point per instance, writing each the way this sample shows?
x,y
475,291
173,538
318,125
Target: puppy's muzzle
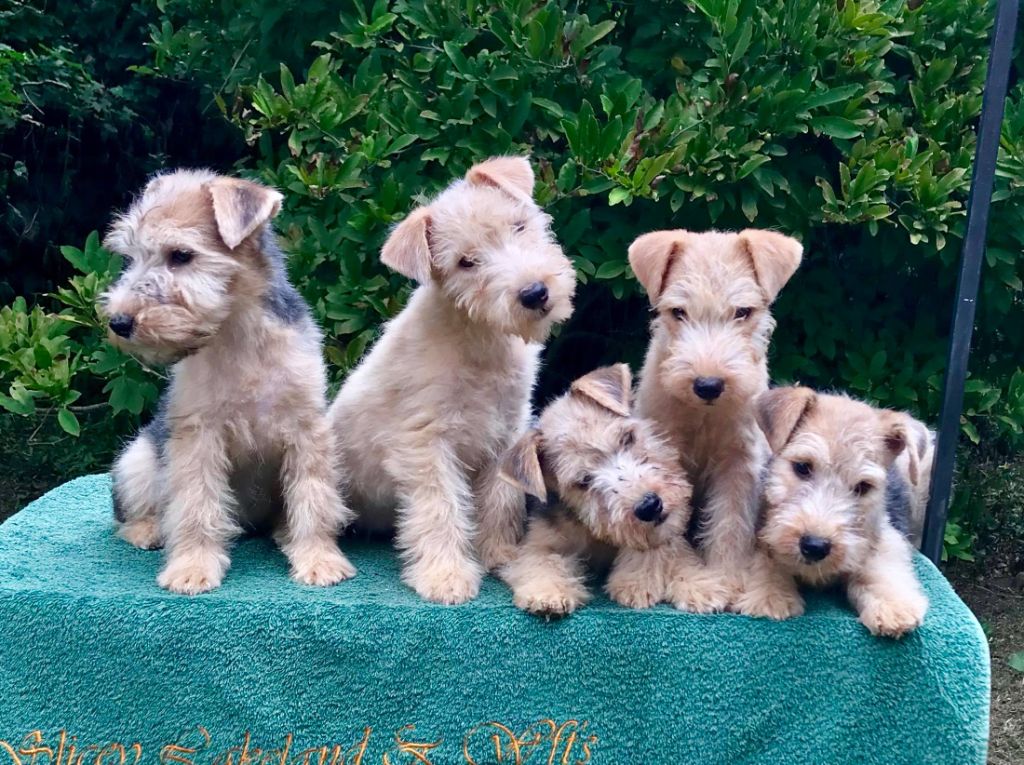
x,y
534,296
649,508
708,388
122,324
814,549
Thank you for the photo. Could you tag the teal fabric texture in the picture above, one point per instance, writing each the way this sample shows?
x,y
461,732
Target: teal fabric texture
x,y
99,666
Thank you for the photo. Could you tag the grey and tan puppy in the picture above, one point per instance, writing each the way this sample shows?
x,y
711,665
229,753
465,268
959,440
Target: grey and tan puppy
x,y
617,497
844,488
242,428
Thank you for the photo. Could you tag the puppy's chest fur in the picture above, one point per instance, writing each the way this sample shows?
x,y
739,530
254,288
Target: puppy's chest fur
x,y
255,397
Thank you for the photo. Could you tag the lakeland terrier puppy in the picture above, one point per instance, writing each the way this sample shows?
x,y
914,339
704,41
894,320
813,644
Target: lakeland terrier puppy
x,y
838,502
422,421
242,427
706,363
617,496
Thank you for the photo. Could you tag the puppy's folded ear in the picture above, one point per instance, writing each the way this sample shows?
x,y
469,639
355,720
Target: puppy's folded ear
x,y
608,387
520,466
774,256
407,250
779,411
512,175
240,207
651,257
893,429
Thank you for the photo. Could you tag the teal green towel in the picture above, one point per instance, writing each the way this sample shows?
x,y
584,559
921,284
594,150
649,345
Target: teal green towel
x,y
98,666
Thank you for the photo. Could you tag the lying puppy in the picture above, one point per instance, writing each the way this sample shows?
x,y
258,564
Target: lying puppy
x,y
842,489
616,495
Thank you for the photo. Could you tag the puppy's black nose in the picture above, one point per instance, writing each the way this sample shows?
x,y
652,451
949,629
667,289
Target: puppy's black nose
x,y
814,548
709,388
121,324
649,508
534,296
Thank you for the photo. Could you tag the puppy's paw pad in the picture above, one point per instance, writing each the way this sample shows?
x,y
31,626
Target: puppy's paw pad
x,y
449,586
633,595
699,596
322,569
775,604
190,579
142,533
550,600
893,618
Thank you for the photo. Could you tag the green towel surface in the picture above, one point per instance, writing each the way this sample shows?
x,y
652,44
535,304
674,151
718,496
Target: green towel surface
x,y
99,666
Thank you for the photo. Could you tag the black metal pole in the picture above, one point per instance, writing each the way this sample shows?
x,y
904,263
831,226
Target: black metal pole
x,y
973,253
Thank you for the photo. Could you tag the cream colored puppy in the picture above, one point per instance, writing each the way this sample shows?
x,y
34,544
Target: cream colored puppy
x,y
839,502
706,363
422,421
241,436
614,497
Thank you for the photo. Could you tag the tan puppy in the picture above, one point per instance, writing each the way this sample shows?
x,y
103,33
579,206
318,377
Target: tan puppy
x,y
242,427
617,496
423,419
838,502
706,363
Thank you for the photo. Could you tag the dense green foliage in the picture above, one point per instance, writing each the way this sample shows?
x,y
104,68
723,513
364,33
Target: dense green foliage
x,y
848,124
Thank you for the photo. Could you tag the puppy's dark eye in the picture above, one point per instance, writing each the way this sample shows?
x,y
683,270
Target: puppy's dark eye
x,y
584,482
180,257
628,439
743,313
466,263
679,313
803,469
864,487
519,226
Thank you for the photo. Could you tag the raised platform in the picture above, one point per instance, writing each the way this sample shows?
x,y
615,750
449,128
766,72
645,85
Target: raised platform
x,y
98,664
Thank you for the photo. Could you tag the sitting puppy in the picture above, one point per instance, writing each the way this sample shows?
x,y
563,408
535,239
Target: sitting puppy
x,y
617,495
838,501
242,426
446,390
707,360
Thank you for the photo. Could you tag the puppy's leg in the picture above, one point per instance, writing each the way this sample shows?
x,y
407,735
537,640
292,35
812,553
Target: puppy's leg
x,y
690,584
502,510
768,591
727,533
136,493
199,519
435,529
546,575
313,506
886,593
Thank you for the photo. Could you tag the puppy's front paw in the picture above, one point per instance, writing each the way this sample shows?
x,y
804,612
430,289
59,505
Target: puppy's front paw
x,y
770,602
449,585
143,533
632,593
321,567
893,618
549,597
699,594
193,572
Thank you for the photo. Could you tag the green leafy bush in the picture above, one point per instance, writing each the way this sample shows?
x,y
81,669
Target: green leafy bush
x,y
849,124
